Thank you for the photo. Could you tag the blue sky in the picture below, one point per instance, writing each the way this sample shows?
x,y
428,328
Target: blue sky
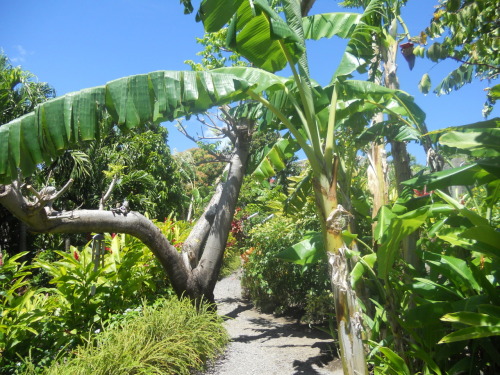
x,y
78,44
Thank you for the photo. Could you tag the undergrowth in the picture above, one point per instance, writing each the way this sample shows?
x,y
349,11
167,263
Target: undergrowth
x,y
172,337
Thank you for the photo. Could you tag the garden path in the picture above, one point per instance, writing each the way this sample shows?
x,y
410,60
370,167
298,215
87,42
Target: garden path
x,y
262,344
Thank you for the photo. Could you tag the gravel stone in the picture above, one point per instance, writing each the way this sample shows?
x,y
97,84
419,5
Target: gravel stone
x,y
262,344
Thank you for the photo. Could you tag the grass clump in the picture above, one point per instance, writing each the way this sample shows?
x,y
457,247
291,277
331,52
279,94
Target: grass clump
x,y
172,338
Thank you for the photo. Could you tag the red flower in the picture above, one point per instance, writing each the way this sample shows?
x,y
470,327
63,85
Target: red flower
x,y
422,193
113,235
75,255
108,249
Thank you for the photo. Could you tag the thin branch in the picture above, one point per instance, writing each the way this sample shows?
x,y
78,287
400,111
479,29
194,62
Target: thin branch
x,y
213,126
63,190
205,137
106,196
208,161
34,192
190,137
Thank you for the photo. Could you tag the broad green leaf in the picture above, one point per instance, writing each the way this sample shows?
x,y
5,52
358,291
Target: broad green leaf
x,y
471,333
487,235
308,251
471,318
399,227
115,249
471,215
483,143
465,175
263,37
423,285
429,313
360,268
275,159
384,218
476,126
455,269
423,355
327,25
299,191
490,310
359,50
394,132
216,13
395,361
348,237
453,236
387,100
65,121
456,79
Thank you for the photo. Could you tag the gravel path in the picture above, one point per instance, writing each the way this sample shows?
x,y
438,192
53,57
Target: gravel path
x,y
262,344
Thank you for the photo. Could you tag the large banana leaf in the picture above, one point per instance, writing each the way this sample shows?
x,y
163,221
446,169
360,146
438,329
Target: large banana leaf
x,y
359,50
274,159
64,122
256,31
477,142
299,191
215,13
366,96
328,25
481,172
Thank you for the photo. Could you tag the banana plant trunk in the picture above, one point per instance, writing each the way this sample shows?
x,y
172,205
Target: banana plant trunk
x,y
400,156
334,219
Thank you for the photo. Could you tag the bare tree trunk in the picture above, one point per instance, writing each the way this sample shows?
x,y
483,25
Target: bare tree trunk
x,y
400,156
196,279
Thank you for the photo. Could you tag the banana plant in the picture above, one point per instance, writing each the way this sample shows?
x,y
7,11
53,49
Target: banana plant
x,y
312,114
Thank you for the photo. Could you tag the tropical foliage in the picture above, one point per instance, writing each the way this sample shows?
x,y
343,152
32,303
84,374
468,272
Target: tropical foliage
x,y
466,32
79,291
438,314
20,93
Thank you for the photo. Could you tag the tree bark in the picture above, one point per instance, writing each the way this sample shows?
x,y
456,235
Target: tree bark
x,y
194,279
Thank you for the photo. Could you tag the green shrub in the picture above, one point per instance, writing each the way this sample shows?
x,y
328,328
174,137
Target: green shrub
x,y
78,301
172,338
277,286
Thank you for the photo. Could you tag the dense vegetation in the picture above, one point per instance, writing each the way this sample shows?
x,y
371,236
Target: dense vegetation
x,y
409,262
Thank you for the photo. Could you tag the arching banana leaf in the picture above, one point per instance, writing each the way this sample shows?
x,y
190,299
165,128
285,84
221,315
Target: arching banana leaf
x,y
359,50
274,159
64,122
395,102
328,25
259,34
299,191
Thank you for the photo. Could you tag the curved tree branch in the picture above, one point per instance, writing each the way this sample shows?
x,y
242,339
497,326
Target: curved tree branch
x,y
86,221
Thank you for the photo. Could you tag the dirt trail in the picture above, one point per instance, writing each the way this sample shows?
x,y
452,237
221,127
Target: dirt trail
x,y
262,344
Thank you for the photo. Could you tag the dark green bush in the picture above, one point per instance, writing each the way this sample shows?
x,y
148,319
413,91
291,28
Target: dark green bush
x,y
280,287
